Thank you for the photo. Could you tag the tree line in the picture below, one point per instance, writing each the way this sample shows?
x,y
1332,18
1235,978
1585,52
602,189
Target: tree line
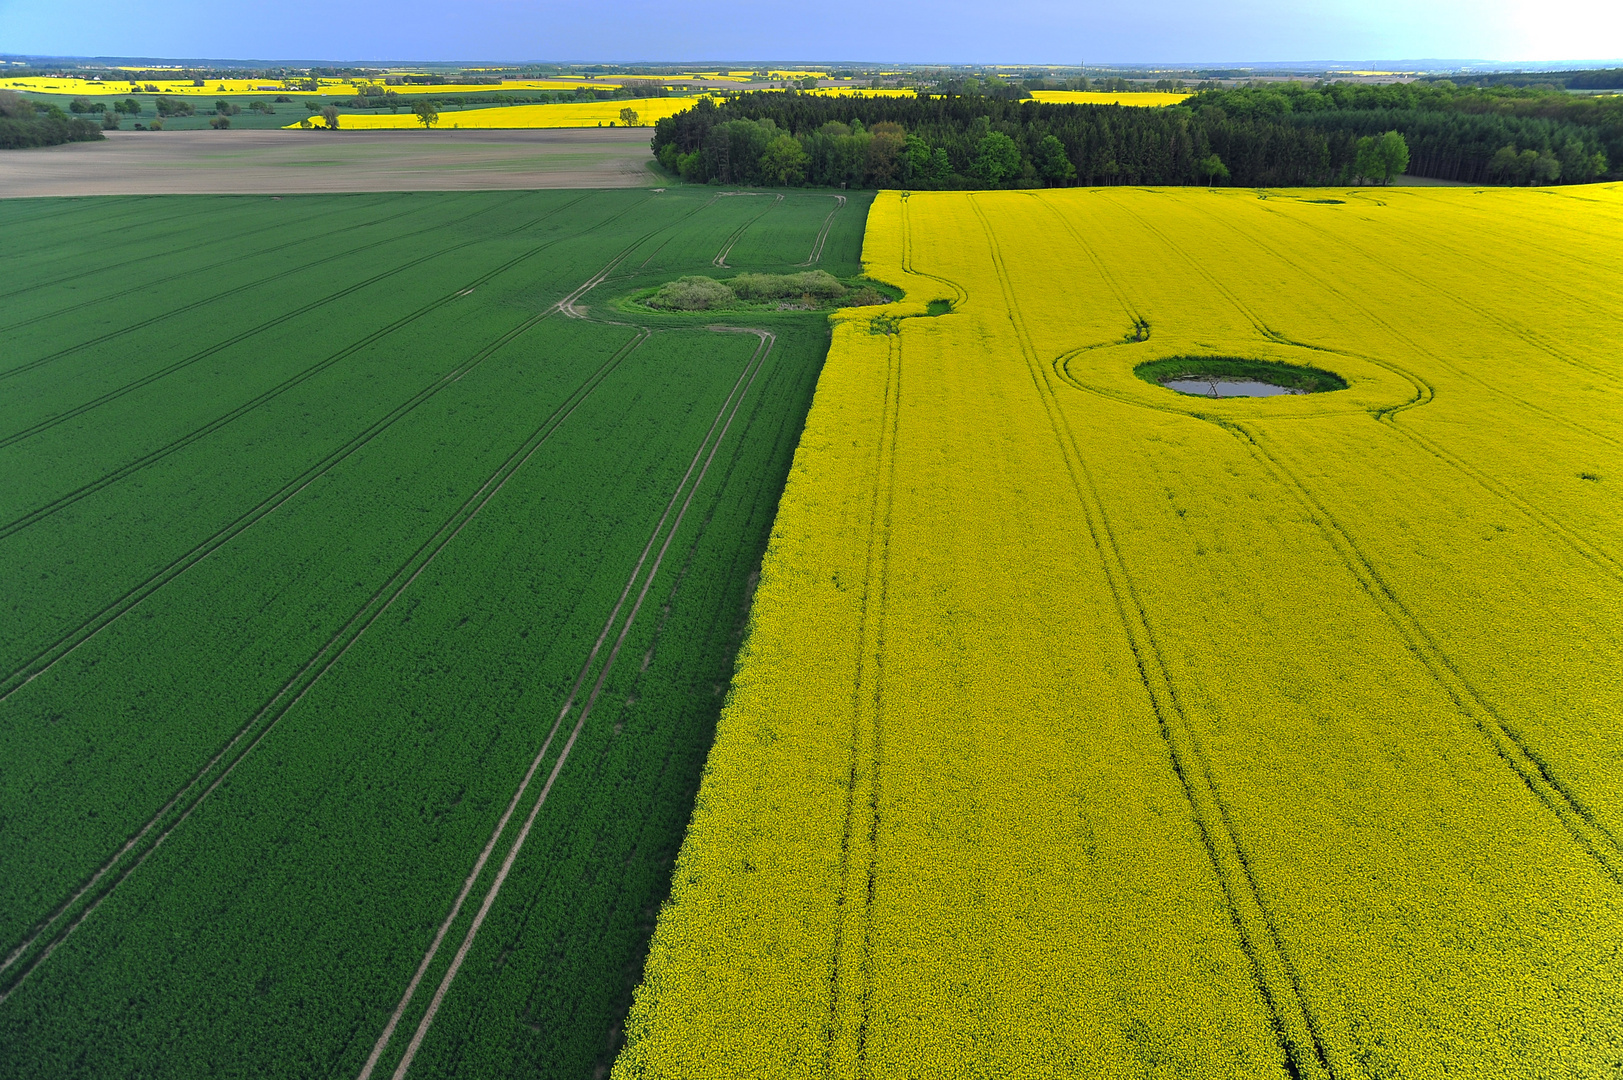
x,y
22,124
1274,136
1463,133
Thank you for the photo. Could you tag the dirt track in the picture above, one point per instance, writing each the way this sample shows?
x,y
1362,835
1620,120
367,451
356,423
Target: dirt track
x,y
292,162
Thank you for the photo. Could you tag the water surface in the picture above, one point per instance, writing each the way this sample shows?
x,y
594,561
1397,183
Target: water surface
x,y
1227,387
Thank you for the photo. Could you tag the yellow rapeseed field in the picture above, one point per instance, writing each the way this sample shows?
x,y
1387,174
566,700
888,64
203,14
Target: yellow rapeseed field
x,y
1090,97
257,87
1084,729
566,114
97,88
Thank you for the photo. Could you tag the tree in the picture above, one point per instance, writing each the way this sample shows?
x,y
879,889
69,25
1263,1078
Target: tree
x,y
1505,166
1053,163
79,105
996,158
219,122
784,162
915,159
1212,170
1391,156
1366,163
110,120
887,142
1577,166
628,117
330,116
426,113
1546,168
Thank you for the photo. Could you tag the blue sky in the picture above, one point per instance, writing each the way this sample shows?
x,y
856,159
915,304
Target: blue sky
x,y
913,31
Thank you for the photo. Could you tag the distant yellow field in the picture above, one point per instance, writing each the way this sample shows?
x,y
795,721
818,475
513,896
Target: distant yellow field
x,y
1088,97
88,88
1088,729
508,86
327,88
565,115
860,91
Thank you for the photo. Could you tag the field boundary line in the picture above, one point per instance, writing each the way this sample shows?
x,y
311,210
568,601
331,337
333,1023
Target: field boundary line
x,y
1603,559
43,660
702,206
1528,334
182,214
960,294
237,339
816,255
1508,743
1127,306
48,657
200,269
1588,549
155,455
846,1036
712,440
1295,1027
726,248
1374,317
1520,755
102,339
306,677
66,208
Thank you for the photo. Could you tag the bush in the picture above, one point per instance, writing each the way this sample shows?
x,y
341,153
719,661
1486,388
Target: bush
x,y
219,122
14,106
48,130
692,294
867,296
815,283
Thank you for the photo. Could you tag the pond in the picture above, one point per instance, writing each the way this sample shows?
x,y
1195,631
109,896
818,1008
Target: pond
x,y
1236,376
1221,388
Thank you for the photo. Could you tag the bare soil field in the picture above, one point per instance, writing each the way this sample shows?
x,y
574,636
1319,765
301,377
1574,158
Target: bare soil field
x,y
293,162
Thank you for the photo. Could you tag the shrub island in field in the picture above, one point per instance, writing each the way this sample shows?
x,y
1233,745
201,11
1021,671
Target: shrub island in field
x,y
805,291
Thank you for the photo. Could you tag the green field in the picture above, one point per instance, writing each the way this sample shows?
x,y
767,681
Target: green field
x,y
369,581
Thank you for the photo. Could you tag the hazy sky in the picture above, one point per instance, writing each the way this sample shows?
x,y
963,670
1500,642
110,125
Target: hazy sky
x,y
1011,31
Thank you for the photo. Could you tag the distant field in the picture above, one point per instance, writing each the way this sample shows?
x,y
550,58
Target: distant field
x,y
564,115
1089,729
283,162
1088,97
266,87
371,591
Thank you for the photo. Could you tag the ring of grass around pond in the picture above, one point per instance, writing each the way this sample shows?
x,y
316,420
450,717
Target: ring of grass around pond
x,y
1216,371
